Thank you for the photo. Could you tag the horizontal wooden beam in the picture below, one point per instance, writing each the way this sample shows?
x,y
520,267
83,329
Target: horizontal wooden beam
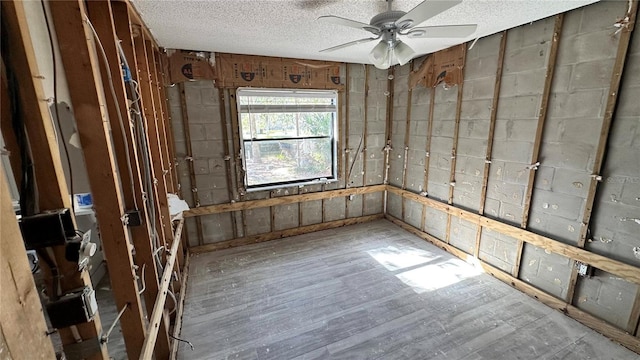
x,y
158,307
628,272
283,233
589,320
254,204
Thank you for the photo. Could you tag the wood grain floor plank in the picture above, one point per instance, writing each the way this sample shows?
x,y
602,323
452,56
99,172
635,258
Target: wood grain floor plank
x,y
367,291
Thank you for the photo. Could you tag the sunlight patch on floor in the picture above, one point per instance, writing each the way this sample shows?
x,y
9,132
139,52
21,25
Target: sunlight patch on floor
x,y
394,258
437,276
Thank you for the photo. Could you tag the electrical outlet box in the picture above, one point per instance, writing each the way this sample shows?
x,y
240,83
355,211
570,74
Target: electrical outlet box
x,y
583,269
133,218
72,309
49,228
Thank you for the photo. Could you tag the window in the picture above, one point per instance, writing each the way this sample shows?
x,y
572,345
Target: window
x,y
288,136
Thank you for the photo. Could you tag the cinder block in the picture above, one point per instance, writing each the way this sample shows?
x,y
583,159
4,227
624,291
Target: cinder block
x,y
526,58
474,128
481,88
354,206
472,147
438,177
470,166
196,132
538,32
201,167
506,192
561,77
581,130
446,95
213,131
466,200
530,82
553,274
587,47
561,229
607,297
516,130
334,209
394,205
625,132
506,249
441,145
515,151
260,221
516,173
571,23
209,95
489,45
519,107
192,94
444,111
373,204
311,212
601,16
463,236
632,70
216,227
492,260
628,104
617,217
438,191
435,223
204,114
476,109
421,96
568,155
482,66
511,213
413,213
492,207
206,148
490,61
571,182
557,204
285,216
592,75
209,182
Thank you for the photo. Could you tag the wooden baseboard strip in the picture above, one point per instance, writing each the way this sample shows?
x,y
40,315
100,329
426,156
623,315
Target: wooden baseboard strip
x,y
283,200
628,272
612,332
254,239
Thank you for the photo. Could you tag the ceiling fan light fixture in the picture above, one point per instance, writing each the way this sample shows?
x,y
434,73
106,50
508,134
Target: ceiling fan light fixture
x,y
380,55
403,52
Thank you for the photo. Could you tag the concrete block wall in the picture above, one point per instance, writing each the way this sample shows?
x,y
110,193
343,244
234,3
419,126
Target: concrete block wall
x,y
210,167
578,97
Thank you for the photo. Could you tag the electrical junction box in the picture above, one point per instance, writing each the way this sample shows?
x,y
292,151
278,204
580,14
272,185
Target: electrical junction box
x,y
73,308
49,228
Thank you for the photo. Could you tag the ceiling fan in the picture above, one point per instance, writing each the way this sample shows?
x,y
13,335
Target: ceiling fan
x,y
389,25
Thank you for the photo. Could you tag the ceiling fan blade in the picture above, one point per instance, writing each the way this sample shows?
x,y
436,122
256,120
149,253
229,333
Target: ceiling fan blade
x,y
425,10
445,31
337,20
351,43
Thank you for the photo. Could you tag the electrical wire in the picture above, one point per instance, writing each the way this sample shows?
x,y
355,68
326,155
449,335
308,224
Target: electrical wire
x,y
115,100
55,97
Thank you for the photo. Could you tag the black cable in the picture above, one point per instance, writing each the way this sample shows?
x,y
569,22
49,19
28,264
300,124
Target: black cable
x,y
55,97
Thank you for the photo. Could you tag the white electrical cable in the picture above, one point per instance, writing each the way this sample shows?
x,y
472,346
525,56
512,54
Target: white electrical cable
x,y
115,100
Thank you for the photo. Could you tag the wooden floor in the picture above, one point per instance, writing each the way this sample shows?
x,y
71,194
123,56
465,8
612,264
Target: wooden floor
x,y
368,291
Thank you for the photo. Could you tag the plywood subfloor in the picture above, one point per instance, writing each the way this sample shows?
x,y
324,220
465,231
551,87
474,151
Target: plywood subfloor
x,y
368,291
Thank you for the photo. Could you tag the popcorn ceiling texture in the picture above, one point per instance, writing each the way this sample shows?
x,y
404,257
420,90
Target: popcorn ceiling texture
x,y
291,28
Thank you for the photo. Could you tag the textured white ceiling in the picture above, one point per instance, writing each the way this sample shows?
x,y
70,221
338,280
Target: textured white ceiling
x,y
289,28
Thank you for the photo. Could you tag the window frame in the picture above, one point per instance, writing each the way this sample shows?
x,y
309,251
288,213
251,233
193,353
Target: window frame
x,y
282,92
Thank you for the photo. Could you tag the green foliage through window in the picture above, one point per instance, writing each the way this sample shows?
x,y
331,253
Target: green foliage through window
x,y
288,136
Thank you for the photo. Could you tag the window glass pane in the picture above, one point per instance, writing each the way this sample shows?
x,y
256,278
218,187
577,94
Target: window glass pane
x,y
279,125
275,161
